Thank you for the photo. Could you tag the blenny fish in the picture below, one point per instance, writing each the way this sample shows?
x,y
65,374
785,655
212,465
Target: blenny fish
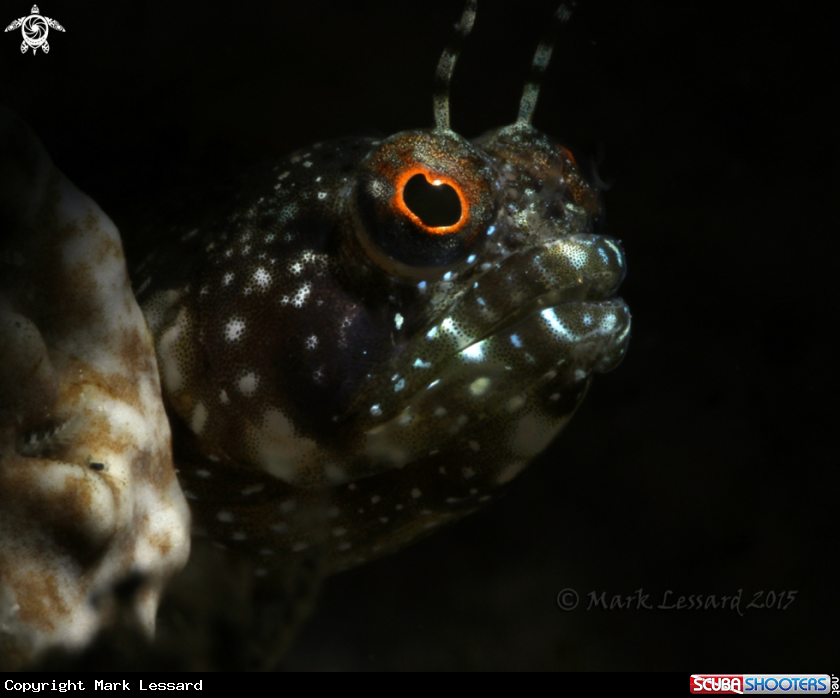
x,y
374,337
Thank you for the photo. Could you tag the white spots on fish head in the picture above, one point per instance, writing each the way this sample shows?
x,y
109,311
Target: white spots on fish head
x,y
279,449
301,295
479,386
234,329
262,278
311,342
532,433
474,353
577,256
248,383
416,493
223,397
199,418
450,327
288,213
558,327
608,323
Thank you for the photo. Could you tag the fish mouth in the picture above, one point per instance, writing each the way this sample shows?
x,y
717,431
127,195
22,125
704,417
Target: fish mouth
x,y
528,332
596,331
552,299
568,282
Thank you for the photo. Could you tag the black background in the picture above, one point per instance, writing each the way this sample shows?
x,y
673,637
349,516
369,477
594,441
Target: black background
x,y
705,464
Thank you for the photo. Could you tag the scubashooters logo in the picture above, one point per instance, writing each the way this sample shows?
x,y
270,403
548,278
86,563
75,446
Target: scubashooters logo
x,y
740,684
35,28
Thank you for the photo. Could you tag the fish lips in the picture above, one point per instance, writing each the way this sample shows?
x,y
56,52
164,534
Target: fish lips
x,y
565,288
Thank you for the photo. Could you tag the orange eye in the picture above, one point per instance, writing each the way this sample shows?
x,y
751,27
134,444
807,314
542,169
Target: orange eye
x,y
433,201
424,199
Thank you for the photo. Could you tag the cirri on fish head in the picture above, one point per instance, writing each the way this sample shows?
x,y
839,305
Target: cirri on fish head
x,y
374,337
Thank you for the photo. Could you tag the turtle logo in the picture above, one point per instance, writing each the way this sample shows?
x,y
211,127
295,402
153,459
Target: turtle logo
x,y
35,28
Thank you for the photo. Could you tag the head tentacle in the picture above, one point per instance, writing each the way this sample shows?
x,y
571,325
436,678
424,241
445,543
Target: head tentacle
x,y
542,56
446,65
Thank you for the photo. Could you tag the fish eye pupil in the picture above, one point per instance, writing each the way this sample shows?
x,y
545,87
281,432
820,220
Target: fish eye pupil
x,y
436,205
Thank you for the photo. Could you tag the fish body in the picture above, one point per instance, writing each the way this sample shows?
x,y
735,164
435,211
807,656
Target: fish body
x,y
372,337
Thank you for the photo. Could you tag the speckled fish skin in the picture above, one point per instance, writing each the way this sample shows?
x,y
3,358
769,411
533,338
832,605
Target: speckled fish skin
x,y
344,373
